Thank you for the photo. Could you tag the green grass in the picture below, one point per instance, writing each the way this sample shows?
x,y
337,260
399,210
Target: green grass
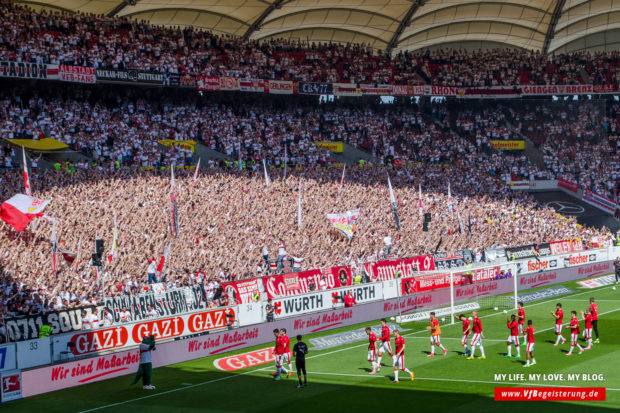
x,y
339,379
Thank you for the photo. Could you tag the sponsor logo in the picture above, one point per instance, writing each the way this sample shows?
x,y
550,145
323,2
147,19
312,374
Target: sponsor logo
x,y
598,282
543,294
99,340
439,312
348,337
208,320
566,208
11,383
577,259
537,265
245,360
166,328
315,88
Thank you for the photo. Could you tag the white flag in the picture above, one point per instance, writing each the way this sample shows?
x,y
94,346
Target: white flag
x,y
420,197
299,206
112,254
196,171
267,181
26,177
285,161
163,261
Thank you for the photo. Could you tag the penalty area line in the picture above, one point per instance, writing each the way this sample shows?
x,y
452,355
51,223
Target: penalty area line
x,y
499,383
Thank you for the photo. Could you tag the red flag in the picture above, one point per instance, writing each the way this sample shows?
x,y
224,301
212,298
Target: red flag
x,y
162,262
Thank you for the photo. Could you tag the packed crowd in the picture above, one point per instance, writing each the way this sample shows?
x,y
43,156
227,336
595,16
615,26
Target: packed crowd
x,y
226,220
120,43
579,141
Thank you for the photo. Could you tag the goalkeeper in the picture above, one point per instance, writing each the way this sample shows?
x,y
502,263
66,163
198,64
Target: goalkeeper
x,y
146,368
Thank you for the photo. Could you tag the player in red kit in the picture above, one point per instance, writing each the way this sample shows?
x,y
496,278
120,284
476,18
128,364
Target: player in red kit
x,y
466,330
529,350
587,330
574,333
287,351
513,337
477,336
278,354
372,350
521,320
594,311
385,343
399,357
558,315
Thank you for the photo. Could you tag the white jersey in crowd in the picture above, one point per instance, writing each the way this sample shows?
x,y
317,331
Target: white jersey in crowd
x,y
265,251
90,321
125,316
152,268
387,240
152,314
322,284
297,262
108,320
281,251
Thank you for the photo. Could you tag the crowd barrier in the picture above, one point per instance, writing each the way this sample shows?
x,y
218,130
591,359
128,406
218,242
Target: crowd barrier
x,y
244,325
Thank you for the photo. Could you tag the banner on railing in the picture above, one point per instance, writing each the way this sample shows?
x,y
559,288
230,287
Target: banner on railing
x,y
229,83
568,185
528,251
131,334
252,85
305,88
129,76
76,74
298,283
23,70
208,83
167,303
347,89
242,290
279,87
567,246
388,270
599,201
326,300
63,321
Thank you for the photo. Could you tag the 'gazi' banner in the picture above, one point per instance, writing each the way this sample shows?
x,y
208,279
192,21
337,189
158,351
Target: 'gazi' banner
x,y
131,334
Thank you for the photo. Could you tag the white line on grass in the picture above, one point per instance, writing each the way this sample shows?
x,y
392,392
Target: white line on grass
x,y
316,356
451,380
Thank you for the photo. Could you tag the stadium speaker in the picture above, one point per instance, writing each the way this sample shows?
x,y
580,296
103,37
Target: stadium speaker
x,y
427,217
99,247
425,227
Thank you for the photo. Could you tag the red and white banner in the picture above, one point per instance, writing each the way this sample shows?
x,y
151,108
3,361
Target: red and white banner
x,y
252,85
599,201
131,334
77,74
285,285
386,270
279,87
347,89
210,83
568,185
21,209
245,360
376,89
229,83
564,247
401,90
428,282
244,290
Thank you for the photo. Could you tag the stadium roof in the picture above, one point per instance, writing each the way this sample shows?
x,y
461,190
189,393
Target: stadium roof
x,y
550,25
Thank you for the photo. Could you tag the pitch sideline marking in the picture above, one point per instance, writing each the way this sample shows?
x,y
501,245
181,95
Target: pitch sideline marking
x,y
315,356
452,380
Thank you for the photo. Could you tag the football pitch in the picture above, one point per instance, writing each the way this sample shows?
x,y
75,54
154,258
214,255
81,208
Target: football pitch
x,y
339,380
